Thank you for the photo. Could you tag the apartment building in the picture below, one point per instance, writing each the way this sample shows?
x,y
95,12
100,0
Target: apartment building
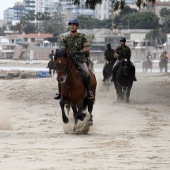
x,y
14,13
105,10
29,5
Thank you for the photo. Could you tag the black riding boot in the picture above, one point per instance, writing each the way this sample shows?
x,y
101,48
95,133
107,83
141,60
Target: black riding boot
x,y
59,92
134,79
114,69
113,75
90,94
133,66
104,75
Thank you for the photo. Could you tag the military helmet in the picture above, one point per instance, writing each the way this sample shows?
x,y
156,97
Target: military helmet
x,y
123,39
108,45
73,21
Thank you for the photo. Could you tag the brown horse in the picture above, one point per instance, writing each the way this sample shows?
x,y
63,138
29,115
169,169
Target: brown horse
x,y
147,64
52,67
73,90
163,64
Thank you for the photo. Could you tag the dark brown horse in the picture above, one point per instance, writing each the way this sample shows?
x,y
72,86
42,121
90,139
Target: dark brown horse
x,y
52,67
107,72
124,79
147,64
73,90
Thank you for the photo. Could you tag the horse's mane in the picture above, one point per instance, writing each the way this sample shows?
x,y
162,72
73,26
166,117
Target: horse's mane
x,y
62,52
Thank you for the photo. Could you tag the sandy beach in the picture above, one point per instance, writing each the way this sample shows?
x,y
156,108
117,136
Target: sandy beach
x,y
133,136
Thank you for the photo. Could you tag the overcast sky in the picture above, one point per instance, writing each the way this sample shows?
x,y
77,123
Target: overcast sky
x,y
4,4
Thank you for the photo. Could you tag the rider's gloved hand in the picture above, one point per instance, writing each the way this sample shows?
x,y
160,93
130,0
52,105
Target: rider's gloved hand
x,y
77,52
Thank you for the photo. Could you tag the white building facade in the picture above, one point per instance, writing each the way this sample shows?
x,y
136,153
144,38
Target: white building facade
x,y
104,10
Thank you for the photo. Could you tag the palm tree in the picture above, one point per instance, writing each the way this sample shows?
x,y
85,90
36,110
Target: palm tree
x,y
18,28
39,17
46,17
30,15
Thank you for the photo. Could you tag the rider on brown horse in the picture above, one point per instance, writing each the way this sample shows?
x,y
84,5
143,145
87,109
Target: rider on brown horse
x,y
149,57
77,47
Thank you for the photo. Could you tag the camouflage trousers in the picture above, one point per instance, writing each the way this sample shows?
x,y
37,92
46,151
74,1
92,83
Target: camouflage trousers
x,y
83,67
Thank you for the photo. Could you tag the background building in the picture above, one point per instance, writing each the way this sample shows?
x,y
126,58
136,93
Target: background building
x,y
29,5
14,13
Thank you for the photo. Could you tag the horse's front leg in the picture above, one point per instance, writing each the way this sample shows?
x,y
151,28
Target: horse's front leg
x,y
117,92
64,117
80,114
128,93
49,71
90,109
74,108
68,108
120,92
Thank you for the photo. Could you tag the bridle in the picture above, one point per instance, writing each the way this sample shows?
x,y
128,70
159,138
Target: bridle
x,y
66,71
125,65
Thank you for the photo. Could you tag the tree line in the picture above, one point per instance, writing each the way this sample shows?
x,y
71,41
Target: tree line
x,y
128,18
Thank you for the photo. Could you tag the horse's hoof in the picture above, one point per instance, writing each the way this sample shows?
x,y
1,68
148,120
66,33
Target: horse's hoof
x,y
81,116
90,122
65,120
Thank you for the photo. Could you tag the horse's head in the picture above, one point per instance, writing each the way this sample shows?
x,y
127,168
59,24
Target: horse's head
x,y
61,65
126,66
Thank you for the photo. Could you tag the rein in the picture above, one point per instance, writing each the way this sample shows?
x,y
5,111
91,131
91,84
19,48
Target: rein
x,y
67,72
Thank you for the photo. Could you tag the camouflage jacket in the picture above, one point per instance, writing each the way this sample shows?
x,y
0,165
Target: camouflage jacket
x,y
123,51
108,55
74,43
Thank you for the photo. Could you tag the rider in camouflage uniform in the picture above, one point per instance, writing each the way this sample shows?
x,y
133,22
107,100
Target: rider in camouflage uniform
x,y
77,46
51,55
122,51
109,57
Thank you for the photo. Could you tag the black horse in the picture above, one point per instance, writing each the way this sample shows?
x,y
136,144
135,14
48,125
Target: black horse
x,y
147,64
123,79
52,67
107,72
163,64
